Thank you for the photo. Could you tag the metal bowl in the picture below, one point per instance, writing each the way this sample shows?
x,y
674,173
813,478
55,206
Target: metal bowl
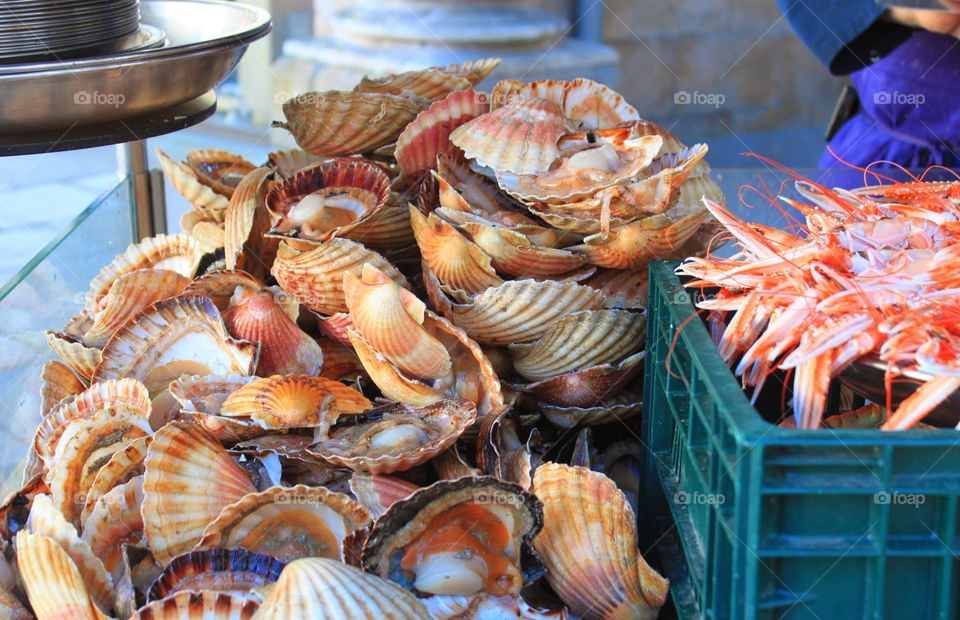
x,y
866,379
205,41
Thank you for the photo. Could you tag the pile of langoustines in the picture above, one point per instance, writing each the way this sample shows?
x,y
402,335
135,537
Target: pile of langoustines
x,y
262,417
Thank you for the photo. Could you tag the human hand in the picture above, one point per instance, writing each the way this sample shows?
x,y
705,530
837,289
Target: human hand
x,y
934,21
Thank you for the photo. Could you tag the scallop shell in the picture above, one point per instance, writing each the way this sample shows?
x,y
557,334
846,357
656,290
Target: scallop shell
x,y
339,362
592,105
583,223
514,254
209,235
387,230
434,82
284,347
589,387
397,439
391,382
123,466
284,401
537,234
354,188
429,134
622,288
15,509
335,327
208,605
189,479
455,260
484,606
129,294
289,162
390,319
589,545
184,180
224,570
206,393
245,223
115,521
52,581
580,340
336,123
658,187
11,608
169,339
315,278
520,138
619,407
463,189
220,286
322,588
414,519
377,493
219,170
81,358
59,382
634,245
46,520
78,324
521,310
180,253
288,522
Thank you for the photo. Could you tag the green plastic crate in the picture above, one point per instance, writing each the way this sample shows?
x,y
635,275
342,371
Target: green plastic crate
x,y
776,523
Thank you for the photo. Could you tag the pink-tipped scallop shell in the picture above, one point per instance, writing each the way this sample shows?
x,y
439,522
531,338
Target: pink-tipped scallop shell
x,y
634,245
589,387
429,134
580,340
589,546
456,261
327,200
189,478
206,605
59,382
520,138
377,493
513,253
122,467
391,382
390,319
129,294
322,588
522,310
612,408
433,82
335,327
285,401
289,162
284,347
180,253
247,219
184,180
288,523
81,358
590,104
336,123
315,277
224,570
52,581
396,438
115,522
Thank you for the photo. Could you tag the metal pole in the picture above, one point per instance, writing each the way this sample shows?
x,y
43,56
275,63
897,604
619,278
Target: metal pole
x,y
132,161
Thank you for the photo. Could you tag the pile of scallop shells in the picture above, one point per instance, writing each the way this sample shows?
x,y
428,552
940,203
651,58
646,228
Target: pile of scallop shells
x,y
381,377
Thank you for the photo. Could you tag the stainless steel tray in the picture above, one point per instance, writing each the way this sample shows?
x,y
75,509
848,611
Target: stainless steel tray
x,y
205,41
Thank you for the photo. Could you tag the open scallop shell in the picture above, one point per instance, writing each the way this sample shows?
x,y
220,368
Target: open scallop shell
x,y
81,358
129,294
284,401
395,438
456,261
219,170
288,523
336,123
189,478
289,162
315,278
463,189
620,407
391,382
322,588
429,134
431,83
521,310
583,223
52,581
377,493
542,236
634,245
520,138
59,382
457,537
588,387
184,180
284,347
327,200
580,340
224,570
513,253
592,105
180,253
246,221
207,605
589,545
122,467
658,187
115,522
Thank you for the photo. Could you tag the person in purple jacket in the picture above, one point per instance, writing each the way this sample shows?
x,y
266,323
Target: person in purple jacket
x,y
905,68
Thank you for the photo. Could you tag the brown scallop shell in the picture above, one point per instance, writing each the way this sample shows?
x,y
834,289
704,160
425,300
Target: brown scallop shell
x,y
336,123
129,294
81,358
520,138
377,492
206,605
521,310
356,187
588,387
184,179
180,253
224,570
246,222
51,580
455,260
189,478
634,245
620,407
589,546
315,278
339,361
580,340
391,382
431,83
592,105
289,162
285,401
513,253
429,134
287,522
59,382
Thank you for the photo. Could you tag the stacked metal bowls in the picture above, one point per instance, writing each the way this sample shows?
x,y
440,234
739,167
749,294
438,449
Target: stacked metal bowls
x,y
39,29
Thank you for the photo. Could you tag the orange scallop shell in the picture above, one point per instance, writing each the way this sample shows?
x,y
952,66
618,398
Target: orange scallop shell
x,y
284,401
455,260
658,187
634,245
115,522
591,104
378,492
391,382
184,179
205,605
335,327
463,189
513,253
246,221
51,580
219,170
59,382
339,361
434,82
81,358
588,387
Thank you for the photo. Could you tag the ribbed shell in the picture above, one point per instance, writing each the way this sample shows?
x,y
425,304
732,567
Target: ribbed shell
x,y
289,162
207,605
53,584
590,104
620,407
484,607
622,288
315,278
391,382
220,286
324,589
124,465
589,546
479,194
588,387
335,327
224,570
59,382
456,261
213,166
633,246
115,521
658,187
387,230
129,294
81,358
377,492
206,393
512,253
434,82
336,123
283,401
189,479
184,180
245,223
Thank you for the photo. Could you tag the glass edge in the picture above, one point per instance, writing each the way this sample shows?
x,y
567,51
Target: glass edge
x,y
52,245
